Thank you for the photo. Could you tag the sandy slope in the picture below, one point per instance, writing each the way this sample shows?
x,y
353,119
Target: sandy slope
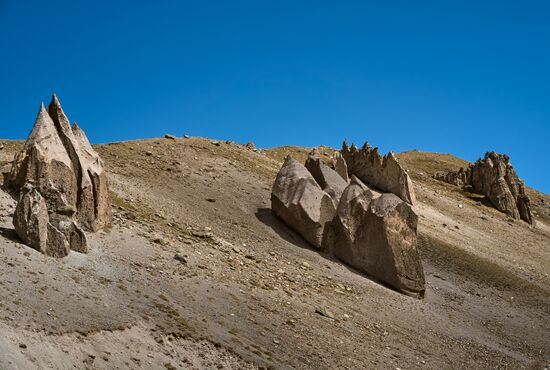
x,y
249,292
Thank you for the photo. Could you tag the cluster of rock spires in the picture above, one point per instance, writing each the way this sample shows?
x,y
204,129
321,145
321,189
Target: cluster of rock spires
x,y
384,173
371,231
62,185
494,177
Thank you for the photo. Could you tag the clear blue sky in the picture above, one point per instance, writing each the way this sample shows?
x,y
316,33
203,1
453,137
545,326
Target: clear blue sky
x,y
459,77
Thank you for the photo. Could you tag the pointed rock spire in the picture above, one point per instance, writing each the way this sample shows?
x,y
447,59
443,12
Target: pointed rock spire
x,y
61,165
383,173
58,116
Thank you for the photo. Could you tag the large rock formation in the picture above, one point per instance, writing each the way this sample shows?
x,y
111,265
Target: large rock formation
x,y
59,166
383,173
298,200
44,161
329,180
375,233
494,177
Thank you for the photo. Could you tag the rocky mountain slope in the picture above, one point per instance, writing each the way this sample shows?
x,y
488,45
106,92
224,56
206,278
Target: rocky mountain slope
x,y
196,272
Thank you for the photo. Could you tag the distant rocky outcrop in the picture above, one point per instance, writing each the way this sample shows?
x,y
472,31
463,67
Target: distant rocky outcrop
x,y
381,172
59,169
494,177
461,178
372,232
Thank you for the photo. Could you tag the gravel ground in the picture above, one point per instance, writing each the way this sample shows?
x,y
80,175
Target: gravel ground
x,y
197,273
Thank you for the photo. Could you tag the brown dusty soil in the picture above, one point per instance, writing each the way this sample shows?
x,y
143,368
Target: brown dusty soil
x,y
248,293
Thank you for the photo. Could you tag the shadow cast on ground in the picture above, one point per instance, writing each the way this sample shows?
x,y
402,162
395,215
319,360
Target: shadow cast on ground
x,y
10,234
268,218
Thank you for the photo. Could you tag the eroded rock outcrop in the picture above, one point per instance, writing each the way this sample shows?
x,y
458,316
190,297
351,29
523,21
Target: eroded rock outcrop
x,y
298,200
327,178
59,166
372,232
461,178
31,219
376,234
381,172
494,177
341,167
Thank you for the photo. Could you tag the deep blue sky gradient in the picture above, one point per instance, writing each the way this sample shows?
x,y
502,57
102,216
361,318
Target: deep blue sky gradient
x,y
459,77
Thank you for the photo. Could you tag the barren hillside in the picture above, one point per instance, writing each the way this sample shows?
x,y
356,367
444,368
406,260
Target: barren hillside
x,y
198,273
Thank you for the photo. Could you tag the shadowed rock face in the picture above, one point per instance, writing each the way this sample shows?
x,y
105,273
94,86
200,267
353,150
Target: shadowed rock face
x,y
375,233
383,173
59,164
494,177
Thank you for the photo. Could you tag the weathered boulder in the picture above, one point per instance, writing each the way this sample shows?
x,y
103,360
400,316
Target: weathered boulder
x,y
376,234
327,178
31,218
68,227
494,177
341,167
68,176
299,201
383,173
53,234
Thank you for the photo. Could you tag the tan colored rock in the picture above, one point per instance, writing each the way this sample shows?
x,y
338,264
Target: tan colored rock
x,y
376,234
299,201
73,234
383,173
95,207
93,203
31,219
53,234
494,177
68,177
60,161
327,178
341,167
45,163
459,178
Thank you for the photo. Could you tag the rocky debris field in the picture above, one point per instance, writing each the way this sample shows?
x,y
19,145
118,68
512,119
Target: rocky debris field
x,y
197,272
